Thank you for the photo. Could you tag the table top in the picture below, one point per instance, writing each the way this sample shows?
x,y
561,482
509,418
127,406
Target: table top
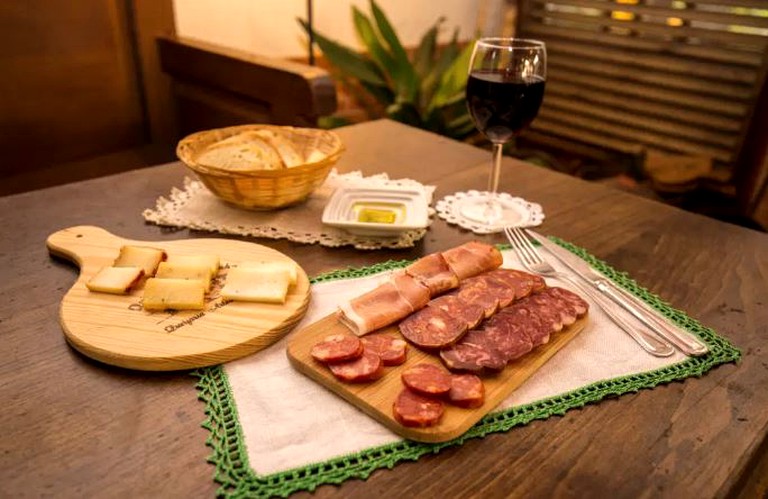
x,y
75,427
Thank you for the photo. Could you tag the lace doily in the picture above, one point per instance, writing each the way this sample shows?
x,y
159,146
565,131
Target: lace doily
x,y
195,207
529,214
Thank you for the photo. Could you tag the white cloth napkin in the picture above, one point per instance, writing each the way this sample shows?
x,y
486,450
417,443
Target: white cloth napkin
x,y
289,421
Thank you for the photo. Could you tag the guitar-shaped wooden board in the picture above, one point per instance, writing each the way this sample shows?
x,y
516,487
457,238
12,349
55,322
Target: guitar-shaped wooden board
x,y
376,398
116,330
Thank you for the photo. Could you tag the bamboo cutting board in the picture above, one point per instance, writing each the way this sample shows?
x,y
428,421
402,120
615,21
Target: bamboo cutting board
x,y
376,398
116,330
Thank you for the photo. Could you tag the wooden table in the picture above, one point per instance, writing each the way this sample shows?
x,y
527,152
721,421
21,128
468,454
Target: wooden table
x,y
76,428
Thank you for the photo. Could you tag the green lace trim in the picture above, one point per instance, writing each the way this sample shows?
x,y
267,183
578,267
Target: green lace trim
x,y
237,479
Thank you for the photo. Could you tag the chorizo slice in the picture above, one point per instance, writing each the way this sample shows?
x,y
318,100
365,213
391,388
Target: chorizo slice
x,y
467,390
368,367
427,379
414,410
337,348
548,309
470,313
432,328
392,351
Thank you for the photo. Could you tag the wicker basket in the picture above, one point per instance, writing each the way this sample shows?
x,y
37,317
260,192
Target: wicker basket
x,y
264,189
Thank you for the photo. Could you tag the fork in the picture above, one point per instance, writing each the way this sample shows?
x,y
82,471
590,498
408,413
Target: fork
x,y
533,262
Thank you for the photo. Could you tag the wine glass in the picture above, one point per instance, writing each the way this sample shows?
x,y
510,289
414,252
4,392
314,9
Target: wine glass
x,y
504,92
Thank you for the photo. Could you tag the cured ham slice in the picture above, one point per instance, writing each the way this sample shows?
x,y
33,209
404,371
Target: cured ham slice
x,y
412,290
433,272
375,309
472,258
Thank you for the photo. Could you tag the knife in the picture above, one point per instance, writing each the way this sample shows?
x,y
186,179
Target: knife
x,y
685,342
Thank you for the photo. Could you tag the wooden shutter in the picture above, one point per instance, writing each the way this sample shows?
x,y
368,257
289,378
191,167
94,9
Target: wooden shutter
x,y
665,75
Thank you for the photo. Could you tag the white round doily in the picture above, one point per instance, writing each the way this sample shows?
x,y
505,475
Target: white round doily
x,y
527,214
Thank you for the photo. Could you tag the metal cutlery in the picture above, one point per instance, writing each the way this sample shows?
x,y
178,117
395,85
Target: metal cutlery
x,y
532,261
684,342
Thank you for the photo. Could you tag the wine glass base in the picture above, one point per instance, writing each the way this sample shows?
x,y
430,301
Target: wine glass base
x,y
468,210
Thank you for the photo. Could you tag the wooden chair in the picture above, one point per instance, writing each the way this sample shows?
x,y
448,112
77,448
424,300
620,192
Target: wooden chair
x,y
215,86
654,76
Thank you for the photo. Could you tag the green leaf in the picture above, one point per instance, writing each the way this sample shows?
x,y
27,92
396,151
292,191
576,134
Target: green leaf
x,y
454,79
404,77
348,60
425,53
388,33
370,39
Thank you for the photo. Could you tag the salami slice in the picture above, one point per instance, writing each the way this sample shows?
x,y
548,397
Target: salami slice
x,y
432,328
433,272
508,336
522,282
412,409
337,348
477,291
392,351
580,305
427,379
546,307
530,323
567,310
475,352
501,289
368,367
467,390
466,312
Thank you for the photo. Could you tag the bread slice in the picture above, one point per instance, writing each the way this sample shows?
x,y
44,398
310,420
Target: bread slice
x,y
285,149
241,153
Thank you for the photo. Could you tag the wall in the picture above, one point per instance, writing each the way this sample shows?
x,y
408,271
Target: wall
x,y
269,27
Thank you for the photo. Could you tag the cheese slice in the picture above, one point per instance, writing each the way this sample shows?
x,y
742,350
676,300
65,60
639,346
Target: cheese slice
x,y
140,256
211,261
256,284
115,280
170,270
272,265
176,294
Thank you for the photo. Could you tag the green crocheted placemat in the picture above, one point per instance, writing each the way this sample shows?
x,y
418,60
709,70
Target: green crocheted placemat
x,y
237,479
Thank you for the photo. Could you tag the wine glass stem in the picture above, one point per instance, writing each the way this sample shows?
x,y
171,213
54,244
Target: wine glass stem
x,y
493,180
493,207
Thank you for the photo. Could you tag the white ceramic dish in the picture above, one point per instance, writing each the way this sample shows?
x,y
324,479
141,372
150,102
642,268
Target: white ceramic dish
x,y
381,211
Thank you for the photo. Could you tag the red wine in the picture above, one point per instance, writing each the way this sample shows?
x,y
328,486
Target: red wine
x,y
502,105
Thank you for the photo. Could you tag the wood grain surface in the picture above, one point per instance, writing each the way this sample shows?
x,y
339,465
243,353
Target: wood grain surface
x,y
75,428
116,330
376,398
